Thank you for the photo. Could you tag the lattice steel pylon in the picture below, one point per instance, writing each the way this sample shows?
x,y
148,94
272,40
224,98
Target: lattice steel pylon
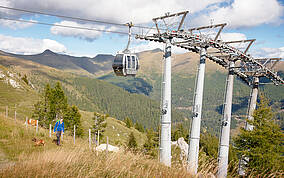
x,y
237,61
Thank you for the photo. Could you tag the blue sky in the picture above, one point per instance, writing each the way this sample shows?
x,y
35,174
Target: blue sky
x,y
246,19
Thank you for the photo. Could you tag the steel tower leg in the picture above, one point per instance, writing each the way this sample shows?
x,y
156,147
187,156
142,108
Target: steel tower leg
x,y
165,142
225,125
196,120
252,106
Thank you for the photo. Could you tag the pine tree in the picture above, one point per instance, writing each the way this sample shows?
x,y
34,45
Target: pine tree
x,y
139,127
73,117
209,144
128,122
264,144
180,131
53,105
99,124
152,143
132,144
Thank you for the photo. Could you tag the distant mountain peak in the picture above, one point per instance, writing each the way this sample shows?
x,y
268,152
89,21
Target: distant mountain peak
x,y
48,51
157,50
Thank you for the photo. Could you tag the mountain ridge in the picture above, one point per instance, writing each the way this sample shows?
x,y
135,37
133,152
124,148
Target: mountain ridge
x,y
78,65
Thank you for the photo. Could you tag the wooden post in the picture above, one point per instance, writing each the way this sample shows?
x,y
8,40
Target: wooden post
x,y
15,113
49,130
107,145
74,133
90,139
6,111
98,138
36,126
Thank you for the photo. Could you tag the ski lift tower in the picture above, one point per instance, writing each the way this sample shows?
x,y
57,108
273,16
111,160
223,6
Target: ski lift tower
x,y
222,53
164,27
165,141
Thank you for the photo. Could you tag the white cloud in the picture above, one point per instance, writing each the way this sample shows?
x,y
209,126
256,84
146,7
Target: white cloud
x,y
269,52
88,35
15,24
244,13
237,13
232,36
21,45
119,11
154,45
83,34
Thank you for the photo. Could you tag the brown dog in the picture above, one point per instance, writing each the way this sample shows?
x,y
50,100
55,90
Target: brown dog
x,y
54,141
38,142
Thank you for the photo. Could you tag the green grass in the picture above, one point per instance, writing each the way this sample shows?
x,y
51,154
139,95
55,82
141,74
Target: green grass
x,y
116,130
16,139
22,98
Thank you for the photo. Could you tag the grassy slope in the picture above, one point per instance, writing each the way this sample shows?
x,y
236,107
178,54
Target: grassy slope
x,y
116,130
25,98
19,158
22,159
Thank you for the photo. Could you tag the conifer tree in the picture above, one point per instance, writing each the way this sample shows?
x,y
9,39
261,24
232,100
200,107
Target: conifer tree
x,y
132,144
139,127
180,131
99,124
53,105
128,122
263,145
152,143
72,117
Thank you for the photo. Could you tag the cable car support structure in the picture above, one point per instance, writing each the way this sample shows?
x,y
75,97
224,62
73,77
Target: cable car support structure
x,y
235,60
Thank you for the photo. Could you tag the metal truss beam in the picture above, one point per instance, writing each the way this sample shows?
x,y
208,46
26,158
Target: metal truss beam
x,y
193,42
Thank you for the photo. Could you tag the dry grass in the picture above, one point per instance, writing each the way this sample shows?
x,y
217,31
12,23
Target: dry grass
x,y
77,160
80,162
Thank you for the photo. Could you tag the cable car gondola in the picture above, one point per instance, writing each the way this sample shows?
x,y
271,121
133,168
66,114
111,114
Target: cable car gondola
x,y
126,63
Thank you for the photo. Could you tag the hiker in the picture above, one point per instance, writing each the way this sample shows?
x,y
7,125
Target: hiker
x,y
59,128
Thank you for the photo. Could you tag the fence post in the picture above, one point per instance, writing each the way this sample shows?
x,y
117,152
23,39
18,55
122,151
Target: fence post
x,y
74,133
15,113
36,126
90,139
107,145
98,138
49,130
26,122
6,111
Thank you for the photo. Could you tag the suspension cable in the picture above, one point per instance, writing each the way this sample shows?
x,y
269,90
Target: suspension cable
x,y
69,17
65,26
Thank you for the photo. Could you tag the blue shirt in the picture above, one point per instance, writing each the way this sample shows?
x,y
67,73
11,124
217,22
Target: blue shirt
x,y
59,126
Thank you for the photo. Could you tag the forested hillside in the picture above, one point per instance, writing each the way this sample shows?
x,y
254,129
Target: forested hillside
x,y
91,94
184,67
130,96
